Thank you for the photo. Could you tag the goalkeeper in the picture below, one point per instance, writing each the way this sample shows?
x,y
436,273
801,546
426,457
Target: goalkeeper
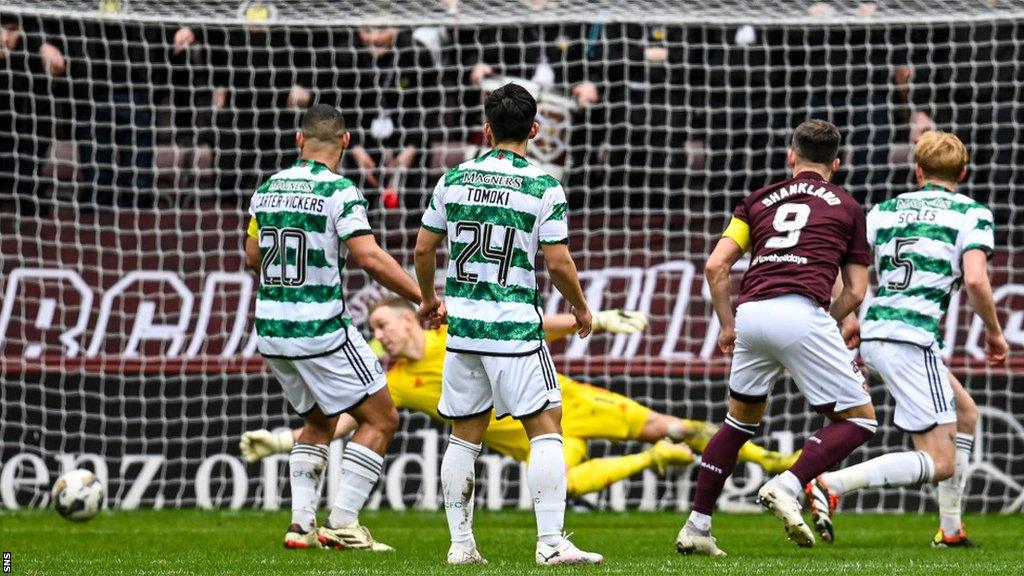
x,y
414,380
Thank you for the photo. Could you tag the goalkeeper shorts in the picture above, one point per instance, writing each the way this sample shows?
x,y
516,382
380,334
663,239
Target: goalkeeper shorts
x,y
335,382
917,379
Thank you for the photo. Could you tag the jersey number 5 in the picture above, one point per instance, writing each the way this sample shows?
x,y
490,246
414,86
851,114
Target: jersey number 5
x,y
481,242
903,263
790,219
284,241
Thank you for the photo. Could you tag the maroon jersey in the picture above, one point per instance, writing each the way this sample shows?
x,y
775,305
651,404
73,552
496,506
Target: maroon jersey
x,y
801,231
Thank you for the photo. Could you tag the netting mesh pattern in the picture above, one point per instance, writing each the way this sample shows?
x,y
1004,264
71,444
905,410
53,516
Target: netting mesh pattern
x,y
132,134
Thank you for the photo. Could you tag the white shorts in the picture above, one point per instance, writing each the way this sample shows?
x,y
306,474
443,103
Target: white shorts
x,y
796,334
519,386
335,382
917,379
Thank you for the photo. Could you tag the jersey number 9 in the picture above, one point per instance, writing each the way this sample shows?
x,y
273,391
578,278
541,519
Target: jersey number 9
x,y
790,219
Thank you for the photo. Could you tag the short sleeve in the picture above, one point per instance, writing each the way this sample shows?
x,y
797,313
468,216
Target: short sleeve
x,y
858,251
350,217
978,232
553,228
740,213
872,225
435,217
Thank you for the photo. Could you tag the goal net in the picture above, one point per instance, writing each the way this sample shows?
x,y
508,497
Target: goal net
x,y
133,133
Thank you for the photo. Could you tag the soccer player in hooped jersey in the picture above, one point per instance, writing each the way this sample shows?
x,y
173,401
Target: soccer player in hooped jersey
x,y
927,242
800,232
301,217
495,211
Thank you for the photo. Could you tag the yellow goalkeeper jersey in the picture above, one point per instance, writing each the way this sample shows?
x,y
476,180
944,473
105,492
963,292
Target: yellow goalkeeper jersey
x,y
587,411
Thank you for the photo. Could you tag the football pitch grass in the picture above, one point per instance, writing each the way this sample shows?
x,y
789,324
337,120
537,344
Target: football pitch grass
x,y
637,543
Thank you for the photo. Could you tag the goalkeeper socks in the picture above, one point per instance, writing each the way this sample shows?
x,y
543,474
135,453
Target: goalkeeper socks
x,y
546,480
830,445
458,479
600,473
306,465
951,490
717,462
360,470
899,469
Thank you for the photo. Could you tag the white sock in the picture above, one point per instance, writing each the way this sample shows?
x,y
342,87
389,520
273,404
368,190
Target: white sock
x,y
701,522
546,479
899,469
790,483
306,465
360,470
951,490
458,480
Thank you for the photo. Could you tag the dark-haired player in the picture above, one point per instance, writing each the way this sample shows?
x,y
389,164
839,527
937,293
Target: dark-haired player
x,y
799,232
305,220
496,211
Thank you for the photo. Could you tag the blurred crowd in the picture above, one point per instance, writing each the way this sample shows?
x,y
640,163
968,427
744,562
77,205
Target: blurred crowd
x,y
121,113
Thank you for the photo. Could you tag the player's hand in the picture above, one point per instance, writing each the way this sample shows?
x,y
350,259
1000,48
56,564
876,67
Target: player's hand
x,y
584,321
995,347
183,39
619,321
405,158
53,60
850,328
432,312
366,164
479,72
727,339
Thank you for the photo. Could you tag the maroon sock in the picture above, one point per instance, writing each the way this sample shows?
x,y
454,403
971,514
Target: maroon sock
x,y
827,447
717,462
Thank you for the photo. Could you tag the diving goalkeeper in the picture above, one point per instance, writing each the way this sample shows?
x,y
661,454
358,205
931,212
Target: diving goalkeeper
x,y
414,380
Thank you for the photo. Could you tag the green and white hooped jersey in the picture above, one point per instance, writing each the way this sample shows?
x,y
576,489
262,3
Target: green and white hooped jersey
x,y
300,216
496,211
919,239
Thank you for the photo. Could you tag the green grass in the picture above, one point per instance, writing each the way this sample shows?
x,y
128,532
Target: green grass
x,y
249,542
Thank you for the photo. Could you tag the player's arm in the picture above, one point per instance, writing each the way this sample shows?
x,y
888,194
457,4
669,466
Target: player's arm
x,y
566,279
381,266
717,271
252,247
850,325
425,257
558,326
854,288
979,294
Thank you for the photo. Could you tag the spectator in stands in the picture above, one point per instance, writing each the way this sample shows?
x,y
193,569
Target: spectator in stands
x,y
387,86
27,65
117,70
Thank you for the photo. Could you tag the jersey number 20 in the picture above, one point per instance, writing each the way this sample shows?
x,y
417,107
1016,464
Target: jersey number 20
x,y
283,242
790,219
481,242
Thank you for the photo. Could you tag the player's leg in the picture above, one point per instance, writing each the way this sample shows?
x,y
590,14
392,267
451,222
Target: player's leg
x,y
923,408
308,458
813,351
466,401
527,389
951,490
752,375
586,476
696,434
256,445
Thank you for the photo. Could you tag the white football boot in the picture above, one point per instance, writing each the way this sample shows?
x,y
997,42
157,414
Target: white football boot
x,y
565,553
786,507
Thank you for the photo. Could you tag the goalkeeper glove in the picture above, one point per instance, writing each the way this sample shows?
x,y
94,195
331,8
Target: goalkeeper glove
x,y
619,321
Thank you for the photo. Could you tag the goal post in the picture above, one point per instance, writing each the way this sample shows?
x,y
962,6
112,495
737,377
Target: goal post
x,y
133,133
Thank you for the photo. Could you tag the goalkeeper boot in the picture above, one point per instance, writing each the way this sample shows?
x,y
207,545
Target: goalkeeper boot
x,y
823,502
785,506
667,453
693,541
777,463
960,540
354,537
258,444
460,553
565,552
298,539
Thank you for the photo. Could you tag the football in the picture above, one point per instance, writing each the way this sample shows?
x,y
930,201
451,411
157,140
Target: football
x,y
78,495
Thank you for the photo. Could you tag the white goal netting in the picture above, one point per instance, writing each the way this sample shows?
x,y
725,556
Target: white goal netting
x,y
132,134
